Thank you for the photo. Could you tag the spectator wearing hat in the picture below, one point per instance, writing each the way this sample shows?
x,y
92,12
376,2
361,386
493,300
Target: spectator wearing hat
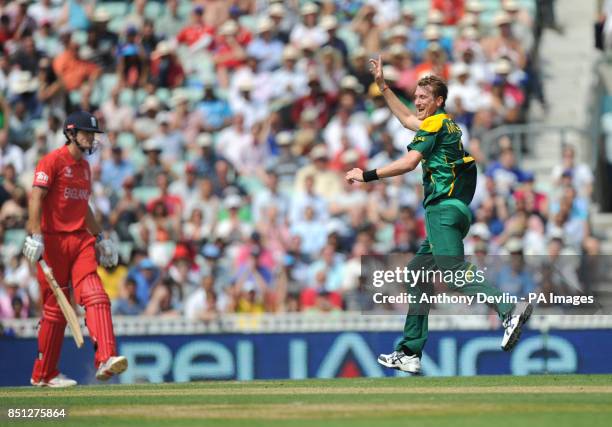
x,y
270,195
370,34
206,155
318,100
282,25
153,165
197,34
233,228
44,11
170,139
349,123
116,170
535,201
132,62
233,140
290,83
451,10
330,24
230,50
435,63
463,95
580,173
103,41
358,67
265,47
285,164
329,69
207,203
432,35
242,102
307,28
505,43
74,70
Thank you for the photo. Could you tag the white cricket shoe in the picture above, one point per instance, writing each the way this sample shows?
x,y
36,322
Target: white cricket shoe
x,y
513,324
60,381
113,366
401,361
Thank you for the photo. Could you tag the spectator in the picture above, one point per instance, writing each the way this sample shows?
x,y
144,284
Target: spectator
x,y
128,305
73,69
581,174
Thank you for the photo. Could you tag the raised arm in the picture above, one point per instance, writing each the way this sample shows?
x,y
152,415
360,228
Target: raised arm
x,y
406,117
404,164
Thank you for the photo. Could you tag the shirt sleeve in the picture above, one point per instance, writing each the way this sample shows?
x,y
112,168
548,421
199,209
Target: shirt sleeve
x,y
423,142
44,174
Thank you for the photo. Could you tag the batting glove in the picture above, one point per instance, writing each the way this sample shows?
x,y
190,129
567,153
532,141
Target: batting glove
x,y
33,248
108,255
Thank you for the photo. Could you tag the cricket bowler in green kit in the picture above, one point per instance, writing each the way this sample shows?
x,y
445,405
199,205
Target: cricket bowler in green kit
x,y
449,181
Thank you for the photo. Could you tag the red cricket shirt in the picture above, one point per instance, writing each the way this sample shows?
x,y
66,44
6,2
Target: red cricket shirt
x,y
68,182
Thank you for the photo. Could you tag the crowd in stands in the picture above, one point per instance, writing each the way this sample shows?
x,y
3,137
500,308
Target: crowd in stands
x,y
230,124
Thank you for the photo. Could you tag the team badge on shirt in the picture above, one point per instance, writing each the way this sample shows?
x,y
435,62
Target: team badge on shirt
x,y
68,172
41,178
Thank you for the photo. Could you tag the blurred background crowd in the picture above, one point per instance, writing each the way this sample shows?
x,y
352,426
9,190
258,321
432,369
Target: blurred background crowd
x,y
229,126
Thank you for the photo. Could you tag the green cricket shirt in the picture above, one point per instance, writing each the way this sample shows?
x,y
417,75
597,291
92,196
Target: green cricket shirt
x,y
448,170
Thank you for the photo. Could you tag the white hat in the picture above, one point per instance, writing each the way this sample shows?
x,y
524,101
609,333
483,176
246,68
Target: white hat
x,y
277,10
232,201
284,138
329,22
101,15
503,18
150,103
435,17
290,52
407,10
503,66
459,69
22,82
514,244
86,52
434,47
350,156
397,49
390,73
474,6
359,52
319,152
152,144
398,31
480,230
245,84
204,140
351,82
470,33
432,32
228,28
162,49
309,8
309,114
265,24
179,97
510,6
469,19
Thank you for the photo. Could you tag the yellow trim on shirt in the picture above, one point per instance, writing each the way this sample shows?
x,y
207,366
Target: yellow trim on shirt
x,y
433,123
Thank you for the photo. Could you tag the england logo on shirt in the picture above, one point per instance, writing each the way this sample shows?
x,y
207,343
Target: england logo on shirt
x,y
68,172
42,178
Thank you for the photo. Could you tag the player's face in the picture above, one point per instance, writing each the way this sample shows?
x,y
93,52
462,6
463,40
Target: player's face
x,y
425,103
85,139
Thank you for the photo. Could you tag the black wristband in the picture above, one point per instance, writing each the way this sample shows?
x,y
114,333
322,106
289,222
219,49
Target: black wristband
x,y
370,175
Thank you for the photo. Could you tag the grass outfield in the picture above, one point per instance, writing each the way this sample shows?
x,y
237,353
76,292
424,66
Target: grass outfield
x,y
568,400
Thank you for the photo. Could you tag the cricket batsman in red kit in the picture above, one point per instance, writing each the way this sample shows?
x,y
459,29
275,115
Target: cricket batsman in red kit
x,y
64,232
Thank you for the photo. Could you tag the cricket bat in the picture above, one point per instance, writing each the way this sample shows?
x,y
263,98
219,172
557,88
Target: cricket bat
x,y
69,314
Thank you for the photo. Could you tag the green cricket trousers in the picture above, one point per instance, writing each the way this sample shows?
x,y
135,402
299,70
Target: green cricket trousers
x,y
447,223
